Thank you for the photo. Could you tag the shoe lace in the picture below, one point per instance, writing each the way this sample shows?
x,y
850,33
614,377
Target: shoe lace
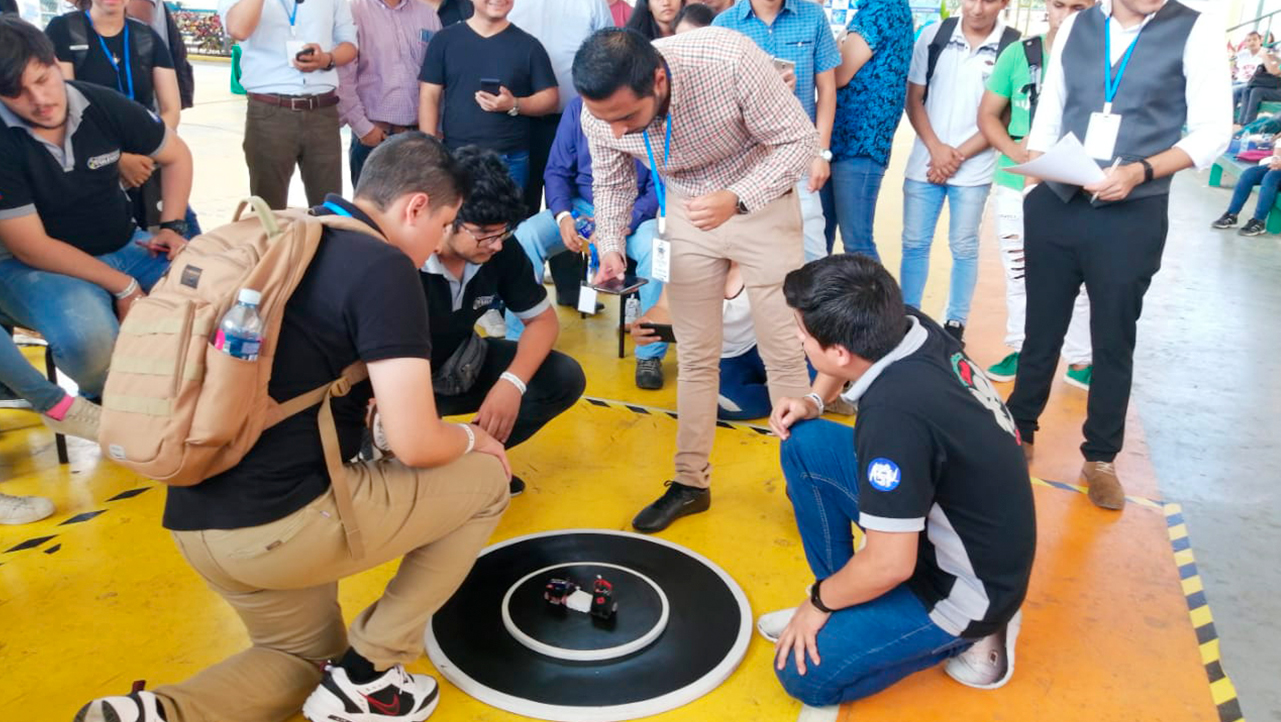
x,y
1106,467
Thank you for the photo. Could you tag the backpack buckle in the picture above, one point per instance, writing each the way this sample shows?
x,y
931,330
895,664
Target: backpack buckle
x,y
340,387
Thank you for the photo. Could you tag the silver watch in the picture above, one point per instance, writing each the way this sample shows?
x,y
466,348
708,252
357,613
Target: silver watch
x,y
515,109
825,154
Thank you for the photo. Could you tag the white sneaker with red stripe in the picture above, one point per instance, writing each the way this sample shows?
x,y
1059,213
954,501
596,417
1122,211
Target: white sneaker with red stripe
x,y
396,696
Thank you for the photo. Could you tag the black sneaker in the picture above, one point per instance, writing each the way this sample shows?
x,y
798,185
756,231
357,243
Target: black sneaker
x,y
1253,227
678,501
516,486
1227,220
396,696
649,373
957,331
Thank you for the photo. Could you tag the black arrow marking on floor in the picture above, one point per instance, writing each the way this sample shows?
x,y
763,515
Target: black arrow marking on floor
x,y
30,544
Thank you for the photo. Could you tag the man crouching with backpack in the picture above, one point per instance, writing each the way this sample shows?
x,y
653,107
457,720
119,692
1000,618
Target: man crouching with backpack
x,y
266,534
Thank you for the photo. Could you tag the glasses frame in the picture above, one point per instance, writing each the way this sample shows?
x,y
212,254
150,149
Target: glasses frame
x,y
494,240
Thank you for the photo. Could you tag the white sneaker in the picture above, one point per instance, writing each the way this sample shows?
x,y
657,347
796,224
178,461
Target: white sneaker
x,y
990,662
397,696
140,706
493,324
772,624
24,509
81,420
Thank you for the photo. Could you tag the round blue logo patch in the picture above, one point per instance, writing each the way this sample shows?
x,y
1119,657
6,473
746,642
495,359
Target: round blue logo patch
x,y
883,474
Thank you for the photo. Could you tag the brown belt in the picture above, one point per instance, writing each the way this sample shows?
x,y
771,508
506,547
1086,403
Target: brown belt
x,y
297,102
392,128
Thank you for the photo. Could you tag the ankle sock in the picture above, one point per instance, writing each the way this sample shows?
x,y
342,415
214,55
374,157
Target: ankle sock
x,y
60,409
359,669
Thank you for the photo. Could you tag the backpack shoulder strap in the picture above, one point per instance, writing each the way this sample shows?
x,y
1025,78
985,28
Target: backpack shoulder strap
x,y
143,39
1034,51
78,29
940,41
1009,36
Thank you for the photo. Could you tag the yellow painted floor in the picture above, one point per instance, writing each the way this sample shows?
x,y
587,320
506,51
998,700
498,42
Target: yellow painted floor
x,y
97,596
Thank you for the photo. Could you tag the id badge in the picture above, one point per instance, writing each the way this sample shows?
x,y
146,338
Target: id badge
x,y
587,300
1100,137
661,255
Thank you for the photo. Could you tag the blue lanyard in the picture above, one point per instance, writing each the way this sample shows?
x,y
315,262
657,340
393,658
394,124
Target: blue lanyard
x,y
292,15
114,65
337,209
1112,84
653,167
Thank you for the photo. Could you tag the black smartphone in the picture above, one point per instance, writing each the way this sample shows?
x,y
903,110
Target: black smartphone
x,y
662,330
304,54
493,86
619,287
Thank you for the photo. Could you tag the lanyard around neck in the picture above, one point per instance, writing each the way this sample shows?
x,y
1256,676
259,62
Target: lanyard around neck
x,y
337,209
1113,83
126,86
659,185
291,14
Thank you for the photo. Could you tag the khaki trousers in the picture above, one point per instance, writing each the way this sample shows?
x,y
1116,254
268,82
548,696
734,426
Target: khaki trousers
x,y
282,579
767,245
277,139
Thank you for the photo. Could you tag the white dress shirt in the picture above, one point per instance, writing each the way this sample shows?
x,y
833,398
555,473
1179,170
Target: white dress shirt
x,y
561,26
953,101
266,65
1208,91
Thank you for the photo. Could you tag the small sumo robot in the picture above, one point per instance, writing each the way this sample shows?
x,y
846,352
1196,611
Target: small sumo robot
x,y
565,594
603,605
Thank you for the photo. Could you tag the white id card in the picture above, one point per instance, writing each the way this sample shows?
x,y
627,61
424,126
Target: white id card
x,y
587,300
1100,137
661,254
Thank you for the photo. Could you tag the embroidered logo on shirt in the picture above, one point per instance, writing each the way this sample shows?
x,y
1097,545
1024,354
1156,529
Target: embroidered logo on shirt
x,y
983,391
482,302
883,474
101,161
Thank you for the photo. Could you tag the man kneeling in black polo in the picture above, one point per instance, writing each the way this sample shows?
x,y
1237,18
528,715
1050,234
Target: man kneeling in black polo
x,y
514,387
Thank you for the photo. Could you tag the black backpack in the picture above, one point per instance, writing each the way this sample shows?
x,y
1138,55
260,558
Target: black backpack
x,y
940,41
79,30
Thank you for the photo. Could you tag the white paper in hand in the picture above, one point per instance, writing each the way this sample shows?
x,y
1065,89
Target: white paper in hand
x,y
1067,162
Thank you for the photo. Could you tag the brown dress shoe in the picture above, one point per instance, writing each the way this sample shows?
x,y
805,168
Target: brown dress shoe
x,y
1105,488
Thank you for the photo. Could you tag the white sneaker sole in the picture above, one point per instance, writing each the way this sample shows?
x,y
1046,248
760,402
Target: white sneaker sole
x,y
311,710
1011,639
1073,382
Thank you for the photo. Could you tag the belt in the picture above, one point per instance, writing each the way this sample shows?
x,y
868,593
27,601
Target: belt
x,y
297,102
393,129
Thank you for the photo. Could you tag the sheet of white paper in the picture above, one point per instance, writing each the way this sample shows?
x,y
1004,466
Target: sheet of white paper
x,y
1066,162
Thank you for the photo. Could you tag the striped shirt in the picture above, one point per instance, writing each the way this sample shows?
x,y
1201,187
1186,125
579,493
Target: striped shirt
x,y
382,84
735,127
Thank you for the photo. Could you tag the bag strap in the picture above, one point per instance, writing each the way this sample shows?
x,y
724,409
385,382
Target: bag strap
x,y
1034,52
78,30
940,41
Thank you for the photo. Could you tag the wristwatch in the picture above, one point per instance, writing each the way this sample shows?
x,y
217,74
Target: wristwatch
x,y
1147,170
330,66
825,154
515,109
816,600
741,208
179,227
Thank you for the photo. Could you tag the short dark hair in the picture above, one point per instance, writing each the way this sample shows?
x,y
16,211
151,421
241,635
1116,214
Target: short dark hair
x,y
20,43
615,58
1254,34
411,162
696,14
495,198
848,300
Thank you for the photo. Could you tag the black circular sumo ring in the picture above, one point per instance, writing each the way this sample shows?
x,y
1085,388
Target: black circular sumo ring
x,y
681,627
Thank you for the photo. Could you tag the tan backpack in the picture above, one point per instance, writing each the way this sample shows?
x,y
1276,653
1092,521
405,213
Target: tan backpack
x,y
176,409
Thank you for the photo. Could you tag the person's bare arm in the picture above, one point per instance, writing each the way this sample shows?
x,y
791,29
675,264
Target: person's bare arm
x,y
973,145
993,127
540,103
175,183
429,107
855,52
243,18
944,159
165,81
27,240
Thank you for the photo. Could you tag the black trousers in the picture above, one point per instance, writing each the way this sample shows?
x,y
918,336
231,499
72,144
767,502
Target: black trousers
x,y
557,384
1115,250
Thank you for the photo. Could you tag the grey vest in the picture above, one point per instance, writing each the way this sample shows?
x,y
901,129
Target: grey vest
x,y
1151,100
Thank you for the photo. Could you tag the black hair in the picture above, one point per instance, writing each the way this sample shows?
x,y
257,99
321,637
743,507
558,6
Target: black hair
x,y
495,199
615,58
412,162
1254,34
848,300
643,22
696,14
8,6
20,43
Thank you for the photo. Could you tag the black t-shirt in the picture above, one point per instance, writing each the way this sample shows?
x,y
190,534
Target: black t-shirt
x,y
84,205
457,58
508,275
97,68
359,300
938,453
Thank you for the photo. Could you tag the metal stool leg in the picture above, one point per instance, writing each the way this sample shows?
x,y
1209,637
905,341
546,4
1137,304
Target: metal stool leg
x,y
51,371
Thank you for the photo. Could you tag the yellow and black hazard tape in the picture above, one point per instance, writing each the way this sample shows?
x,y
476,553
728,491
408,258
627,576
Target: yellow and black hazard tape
x,y
1081,489
37,541
1221,688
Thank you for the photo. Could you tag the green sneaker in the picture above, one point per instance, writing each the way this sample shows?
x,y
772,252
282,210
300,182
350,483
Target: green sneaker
x,y
1006,370
1079,378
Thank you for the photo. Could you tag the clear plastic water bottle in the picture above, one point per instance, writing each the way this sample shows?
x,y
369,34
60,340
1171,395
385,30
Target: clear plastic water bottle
x,y
240,333
632,310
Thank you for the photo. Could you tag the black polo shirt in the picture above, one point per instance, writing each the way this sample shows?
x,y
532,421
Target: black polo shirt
x,y
456,304
75,189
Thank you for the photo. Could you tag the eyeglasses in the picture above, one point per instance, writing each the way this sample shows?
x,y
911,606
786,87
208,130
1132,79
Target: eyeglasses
x,y
494,240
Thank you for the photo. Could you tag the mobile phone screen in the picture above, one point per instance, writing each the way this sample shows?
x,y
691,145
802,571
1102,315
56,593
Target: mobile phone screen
x,y
619,287
493,86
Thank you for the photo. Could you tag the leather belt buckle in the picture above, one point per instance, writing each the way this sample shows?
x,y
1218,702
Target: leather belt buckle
x,y
301,103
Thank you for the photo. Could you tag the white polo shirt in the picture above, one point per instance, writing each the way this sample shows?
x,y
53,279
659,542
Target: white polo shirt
x,y
953,101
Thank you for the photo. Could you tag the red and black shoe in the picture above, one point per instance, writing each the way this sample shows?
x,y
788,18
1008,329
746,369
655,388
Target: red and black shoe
x,y
396,696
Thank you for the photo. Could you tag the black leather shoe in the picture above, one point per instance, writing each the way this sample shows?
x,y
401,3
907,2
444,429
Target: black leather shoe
x,y
678,501
649,373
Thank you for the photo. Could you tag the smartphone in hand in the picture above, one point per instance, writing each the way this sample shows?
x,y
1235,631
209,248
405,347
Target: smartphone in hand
x,y
619,287
493,86
662,330
304,54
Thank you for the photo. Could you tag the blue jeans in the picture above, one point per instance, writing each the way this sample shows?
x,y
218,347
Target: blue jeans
x,y
922,205
518,166
744,387
867,647
76,317
357,154
540,237
856,184
1268,182
24,380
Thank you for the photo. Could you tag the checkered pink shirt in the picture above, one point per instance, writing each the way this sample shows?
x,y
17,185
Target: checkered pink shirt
x,y
735,127
382,83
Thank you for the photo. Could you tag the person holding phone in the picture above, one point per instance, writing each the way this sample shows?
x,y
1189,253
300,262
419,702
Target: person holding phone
x,y
481,83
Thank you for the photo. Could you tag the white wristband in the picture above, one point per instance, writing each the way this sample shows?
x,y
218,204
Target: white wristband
x,y
562,215
514,380
818,401
471,437
129,290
